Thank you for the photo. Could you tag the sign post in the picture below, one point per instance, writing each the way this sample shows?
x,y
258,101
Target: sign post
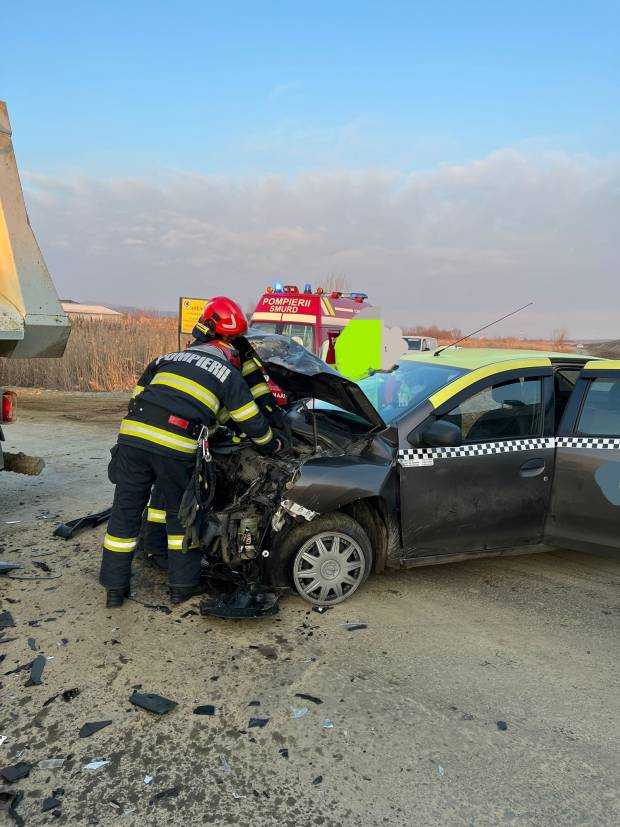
x,y
190,310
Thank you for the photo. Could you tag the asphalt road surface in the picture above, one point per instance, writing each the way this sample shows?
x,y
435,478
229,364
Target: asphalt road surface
x,y
407,731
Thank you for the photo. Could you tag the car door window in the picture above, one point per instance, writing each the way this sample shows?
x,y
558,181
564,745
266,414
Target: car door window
x,y
600,414
510,410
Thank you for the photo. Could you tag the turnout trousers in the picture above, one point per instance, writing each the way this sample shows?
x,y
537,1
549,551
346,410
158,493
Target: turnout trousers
x,y
154,537
135,471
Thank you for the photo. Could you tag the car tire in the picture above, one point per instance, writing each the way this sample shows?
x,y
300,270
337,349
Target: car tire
x,y
333,550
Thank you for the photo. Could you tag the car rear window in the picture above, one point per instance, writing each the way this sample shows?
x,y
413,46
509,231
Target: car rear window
x,y
600,415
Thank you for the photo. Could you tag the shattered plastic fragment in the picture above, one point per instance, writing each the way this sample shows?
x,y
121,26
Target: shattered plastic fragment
x,y
6,620
225,765
440,771
50,804
152,702
258,722
353,627
318,780
502,726
36,671
93,726
96,764
206,709
254,703
16,772
311,698
321,609
32,644
283,752
147,779
70,694
327,724
171,792
51,763
300,712
10,802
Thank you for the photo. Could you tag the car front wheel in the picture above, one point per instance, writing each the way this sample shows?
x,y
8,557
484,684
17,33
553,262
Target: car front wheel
x,y
330,558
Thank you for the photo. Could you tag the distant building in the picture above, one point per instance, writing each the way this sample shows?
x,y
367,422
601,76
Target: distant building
x,y
76,310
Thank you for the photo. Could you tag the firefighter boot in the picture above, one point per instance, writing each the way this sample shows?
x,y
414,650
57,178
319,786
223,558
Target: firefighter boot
x,y
116,597
180,595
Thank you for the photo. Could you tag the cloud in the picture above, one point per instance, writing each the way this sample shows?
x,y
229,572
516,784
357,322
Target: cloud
x,y
456,245
282,89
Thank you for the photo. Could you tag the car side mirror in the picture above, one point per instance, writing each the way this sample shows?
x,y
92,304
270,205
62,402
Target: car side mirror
x,y
437,434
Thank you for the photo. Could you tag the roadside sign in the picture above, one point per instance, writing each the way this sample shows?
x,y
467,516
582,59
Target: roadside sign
x,y
190,310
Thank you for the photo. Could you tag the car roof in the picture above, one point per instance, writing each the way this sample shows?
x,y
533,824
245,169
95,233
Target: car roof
x,y
471,358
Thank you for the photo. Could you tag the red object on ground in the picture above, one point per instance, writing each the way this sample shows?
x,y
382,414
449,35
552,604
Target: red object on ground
x,y
7,413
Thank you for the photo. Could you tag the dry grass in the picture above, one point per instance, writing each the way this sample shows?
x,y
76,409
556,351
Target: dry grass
x,y
110,355
100,356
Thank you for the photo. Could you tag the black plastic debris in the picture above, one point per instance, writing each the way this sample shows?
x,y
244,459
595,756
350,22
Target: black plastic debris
x,y
6,620
36,671
258,722
318,780
42,565
9,803
205,709
22,668
283,752
91,727
70,694
57,793
171,792
6,567
72,527
188,613
32,644
15,772
7,639
321,609
50,804
502,726
254,703
241,604
311,698
152,703
353,627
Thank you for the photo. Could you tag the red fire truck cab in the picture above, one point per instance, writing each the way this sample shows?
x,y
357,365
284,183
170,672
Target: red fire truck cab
x,y
313,318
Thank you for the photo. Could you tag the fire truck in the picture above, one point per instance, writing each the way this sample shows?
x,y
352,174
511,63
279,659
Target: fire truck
x,y
313,318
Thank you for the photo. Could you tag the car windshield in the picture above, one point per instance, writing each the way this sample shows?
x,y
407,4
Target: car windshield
x,y
395,394
414,344
303,334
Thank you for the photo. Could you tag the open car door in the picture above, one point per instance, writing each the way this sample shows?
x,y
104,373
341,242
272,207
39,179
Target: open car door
x,y
585,501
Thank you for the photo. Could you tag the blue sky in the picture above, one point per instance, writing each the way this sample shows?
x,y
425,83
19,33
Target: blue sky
x,y
235,88
454,159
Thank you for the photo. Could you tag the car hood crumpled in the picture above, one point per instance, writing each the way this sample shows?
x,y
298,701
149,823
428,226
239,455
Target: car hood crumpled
x,y
302,375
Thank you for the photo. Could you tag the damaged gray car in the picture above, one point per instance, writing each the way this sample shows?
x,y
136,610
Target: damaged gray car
x,y
319,519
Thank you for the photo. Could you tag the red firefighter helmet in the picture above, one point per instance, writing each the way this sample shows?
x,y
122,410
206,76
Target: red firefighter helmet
x,y
223,317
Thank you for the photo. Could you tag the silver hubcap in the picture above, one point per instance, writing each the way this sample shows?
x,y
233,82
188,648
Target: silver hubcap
x,y
328,568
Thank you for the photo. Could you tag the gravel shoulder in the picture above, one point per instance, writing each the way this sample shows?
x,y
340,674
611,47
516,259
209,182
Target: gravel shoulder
x,y
415,698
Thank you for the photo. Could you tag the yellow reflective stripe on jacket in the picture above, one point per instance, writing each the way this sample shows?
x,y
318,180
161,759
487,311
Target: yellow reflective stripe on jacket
x,y
140,430
260,390
138,389
474,376
155,515
188,386
249,366
263,440
175,542
120,544
245,412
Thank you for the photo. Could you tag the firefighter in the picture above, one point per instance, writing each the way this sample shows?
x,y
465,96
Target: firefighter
x,y
246,359
177,396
